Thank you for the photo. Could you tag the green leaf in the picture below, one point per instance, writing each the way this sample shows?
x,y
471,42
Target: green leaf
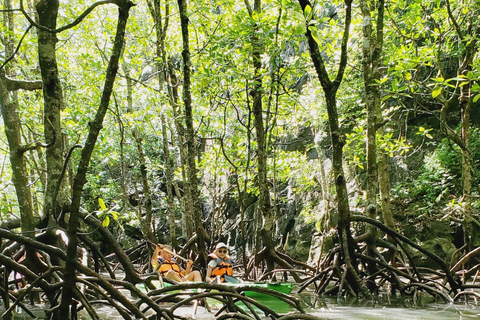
x,y
436,91
298,16
106,221
475,99
101,204
314,33
114,214
307,12
460,78
438,79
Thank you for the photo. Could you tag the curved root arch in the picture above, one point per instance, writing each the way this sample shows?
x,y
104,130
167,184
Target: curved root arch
x,y
403,275
232,299
286,263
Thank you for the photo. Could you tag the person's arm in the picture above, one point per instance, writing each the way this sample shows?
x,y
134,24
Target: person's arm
x,y
212,264
154,260
209,273
188,270
189,266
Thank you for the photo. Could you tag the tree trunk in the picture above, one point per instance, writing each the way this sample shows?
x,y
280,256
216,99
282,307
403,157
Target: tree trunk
x,y
160,32
81,176
265,206
123,166
330,89
467,36
372,48
179,161
53,104
145,222
187,101
169,181
127,265
168,75
465,104
12,127
325,187
465,100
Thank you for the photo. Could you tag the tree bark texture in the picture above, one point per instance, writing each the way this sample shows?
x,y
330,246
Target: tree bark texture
x,y
370,74
12,126
52,103
169,181
187,101
265,206
372,48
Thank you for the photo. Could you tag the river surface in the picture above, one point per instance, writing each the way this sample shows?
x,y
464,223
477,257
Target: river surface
x,y
388,312
328,308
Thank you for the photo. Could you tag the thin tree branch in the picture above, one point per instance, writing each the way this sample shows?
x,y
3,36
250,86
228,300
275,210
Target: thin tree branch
x,y
70,25
14,84
16,49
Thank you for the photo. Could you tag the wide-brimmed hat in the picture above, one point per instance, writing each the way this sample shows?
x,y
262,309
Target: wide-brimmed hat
x,y
220,245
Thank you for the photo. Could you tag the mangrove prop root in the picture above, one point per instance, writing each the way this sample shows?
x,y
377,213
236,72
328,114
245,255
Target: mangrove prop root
x,y
341,272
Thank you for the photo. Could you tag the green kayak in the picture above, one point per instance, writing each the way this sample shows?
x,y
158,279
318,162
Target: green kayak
x,y
157,284
264,298
282,287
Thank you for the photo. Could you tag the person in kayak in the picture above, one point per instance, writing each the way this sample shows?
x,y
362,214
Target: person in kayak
x,y
220,266
163,262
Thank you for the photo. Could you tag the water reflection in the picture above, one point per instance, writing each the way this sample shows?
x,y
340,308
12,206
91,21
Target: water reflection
x,y
424,308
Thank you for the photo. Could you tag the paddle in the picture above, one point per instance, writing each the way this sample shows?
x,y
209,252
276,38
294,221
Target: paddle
x,y
175,255
231,279
172,253
180,257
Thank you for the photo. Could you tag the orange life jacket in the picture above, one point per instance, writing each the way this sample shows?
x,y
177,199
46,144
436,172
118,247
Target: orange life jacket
x,y
167,265
223,267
